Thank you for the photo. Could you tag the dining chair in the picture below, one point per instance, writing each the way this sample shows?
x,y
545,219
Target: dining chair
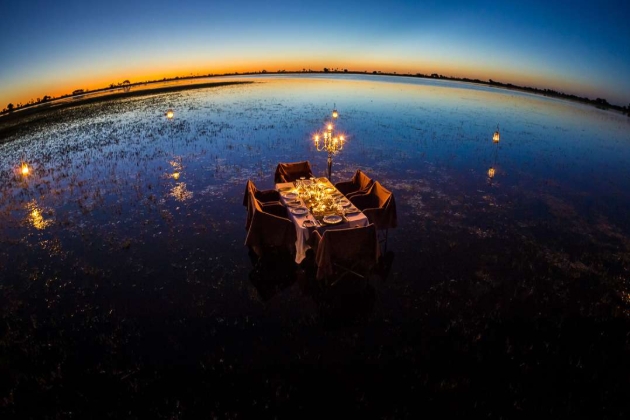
x,y
379,206
339,252
359,184
289,172
271,230
264,197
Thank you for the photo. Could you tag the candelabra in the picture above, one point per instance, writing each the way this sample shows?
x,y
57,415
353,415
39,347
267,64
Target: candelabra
x,y
328,142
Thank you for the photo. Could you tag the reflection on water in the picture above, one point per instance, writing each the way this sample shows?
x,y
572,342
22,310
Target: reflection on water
x,y
36,216
180,193
146,249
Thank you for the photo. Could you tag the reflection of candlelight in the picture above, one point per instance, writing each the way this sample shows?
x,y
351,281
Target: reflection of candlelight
x,y
180,193
176,175
170,114
25,169
496,137
36,218
491,173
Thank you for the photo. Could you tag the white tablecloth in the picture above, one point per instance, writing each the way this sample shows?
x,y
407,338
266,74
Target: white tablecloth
x,y
303,234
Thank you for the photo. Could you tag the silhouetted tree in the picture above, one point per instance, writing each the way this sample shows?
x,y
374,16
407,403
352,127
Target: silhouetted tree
x,y
10,107
326,70
345,70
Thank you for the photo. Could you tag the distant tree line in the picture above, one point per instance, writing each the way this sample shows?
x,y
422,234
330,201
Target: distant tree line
x,y
126,86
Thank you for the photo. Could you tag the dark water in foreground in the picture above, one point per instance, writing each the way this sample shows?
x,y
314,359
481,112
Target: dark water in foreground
x,y
126,289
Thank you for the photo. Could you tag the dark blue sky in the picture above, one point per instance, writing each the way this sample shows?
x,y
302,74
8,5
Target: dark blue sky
x,y
52,47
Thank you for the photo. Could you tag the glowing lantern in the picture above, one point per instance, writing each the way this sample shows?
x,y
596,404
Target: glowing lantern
x,y
170,114
25,169
335,114
176,175
491,173
496,137
330,127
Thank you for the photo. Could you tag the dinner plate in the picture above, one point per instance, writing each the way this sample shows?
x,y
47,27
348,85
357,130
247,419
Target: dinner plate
x,y
289,195
344,202
333,219
352,209
294,203
285,189
298,211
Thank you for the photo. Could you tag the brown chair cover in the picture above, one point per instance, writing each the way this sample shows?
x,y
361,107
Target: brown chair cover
x,y
269,231
378,205
289,172
359,184
264,197
357,247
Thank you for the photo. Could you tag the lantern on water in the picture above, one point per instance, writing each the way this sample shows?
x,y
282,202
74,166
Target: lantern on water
x,y
170,114
335,114
496,137
491,173
25,169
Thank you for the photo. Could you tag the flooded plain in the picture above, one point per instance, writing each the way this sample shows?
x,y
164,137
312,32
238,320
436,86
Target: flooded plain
x,y
126,288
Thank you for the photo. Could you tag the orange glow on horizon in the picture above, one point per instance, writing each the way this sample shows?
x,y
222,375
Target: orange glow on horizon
x,y
67,84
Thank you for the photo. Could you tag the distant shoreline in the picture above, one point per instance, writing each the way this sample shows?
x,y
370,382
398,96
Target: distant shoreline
x,y
68,101
15,117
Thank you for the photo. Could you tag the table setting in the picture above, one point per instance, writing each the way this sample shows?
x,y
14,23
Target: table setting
x,y
315,204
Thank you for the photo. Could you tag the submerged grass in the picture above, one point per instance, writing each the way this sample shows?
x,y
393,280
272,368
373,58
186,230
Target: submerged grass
x,y
126,289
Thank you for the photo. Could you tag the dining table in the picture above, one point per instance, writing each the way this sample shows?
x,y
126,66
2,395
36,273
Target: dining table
x,y
315,204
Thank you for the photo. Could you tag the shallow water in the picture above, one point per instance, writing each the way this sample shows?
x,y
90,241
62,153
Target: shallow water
x,y
127,235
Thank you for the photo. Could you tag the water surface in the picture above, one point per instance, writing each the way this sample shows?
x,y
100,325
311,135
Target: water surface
x,y
122,251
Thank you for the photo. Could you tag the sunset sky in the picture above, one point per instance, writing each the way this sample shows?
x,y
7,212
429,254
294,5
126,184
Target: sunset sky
x,y
54,47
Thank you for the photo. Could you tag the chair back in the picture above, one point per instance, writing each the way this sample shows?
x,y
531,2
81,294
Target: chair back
x,y
289,172
268,231
250,187
357,246
264,198
362,181
378,205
